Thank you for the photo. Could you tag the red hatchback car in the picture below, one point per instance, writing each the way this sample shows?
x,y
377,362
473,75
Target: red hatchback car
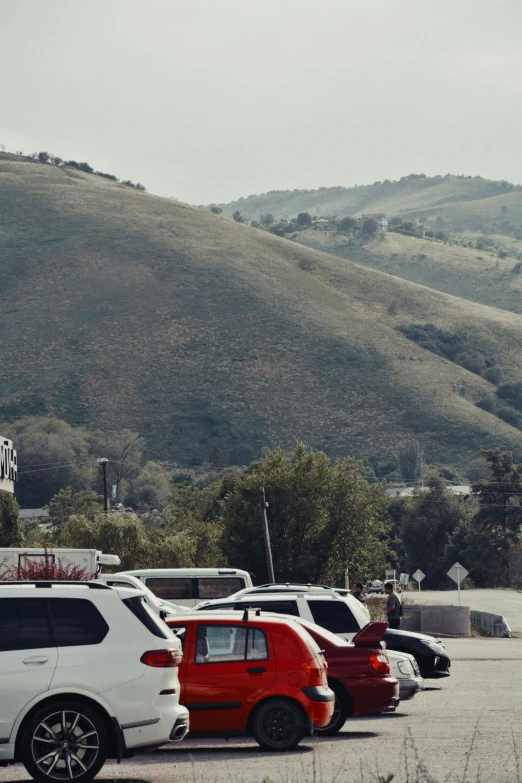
x,y
252,674
358,673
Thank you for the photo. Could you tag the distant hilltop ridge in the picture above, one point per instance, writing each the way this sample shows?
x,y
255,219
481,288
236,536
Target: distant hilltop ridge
x,y
412,194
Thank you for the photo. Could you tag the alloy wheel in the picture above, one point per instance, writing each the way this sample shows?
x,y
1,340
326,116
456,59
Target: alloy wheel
x,y
65,745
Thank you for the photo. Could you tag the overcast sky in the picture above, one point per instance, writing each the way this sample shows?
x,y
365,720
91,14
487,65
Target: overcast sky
x,y
209,100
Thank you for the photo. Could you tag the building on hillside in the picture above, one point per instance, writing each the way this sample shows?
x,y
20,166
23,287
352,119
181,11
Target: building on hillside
x,y
8,466
380,217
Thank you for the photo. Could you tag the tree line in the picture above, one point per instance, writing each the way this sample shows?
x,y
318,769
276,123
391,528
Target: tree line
x,y
325,516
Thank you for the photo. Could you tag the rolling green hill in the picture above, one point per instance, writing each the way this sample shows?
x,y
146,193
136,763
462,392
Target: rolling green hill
x,y
413,195
121,309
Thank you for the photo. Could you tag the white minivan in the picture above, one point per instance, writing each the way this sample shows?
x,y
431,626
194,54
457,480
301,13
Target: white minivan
x,y
190,586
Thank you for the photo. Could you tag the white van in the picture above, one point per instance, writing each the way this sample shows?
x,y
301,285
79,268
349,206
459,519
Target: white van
x,y
190,586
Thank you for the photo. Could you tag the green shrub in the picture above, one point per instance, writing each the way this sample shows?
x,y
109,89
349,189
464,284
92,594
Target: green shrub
x,y
509,415
511,393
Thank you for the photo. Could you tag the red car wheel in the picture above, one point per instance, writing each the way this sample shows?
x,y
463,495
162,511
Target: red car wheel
x,y
278,724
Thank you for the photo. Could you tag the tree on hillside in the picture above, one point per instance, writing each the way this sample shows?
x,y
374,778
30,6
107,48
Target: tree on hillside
x,y
267,220
10,530
410,460
347,224
51,455
215,209
323,517
370,226
304,220
43,157
237,216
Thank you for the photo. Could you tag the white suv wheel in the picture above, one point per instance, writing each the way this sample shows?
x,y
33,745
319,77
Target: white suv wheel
x,y
65,742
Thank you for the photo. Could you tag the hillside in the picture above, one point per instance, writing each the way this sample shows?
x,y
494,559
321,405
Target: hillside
x,y
479,275
413,195
123,309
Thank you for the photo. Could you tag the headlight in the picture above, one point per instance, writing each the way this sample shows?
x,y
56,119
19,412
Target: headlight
x,y
405,668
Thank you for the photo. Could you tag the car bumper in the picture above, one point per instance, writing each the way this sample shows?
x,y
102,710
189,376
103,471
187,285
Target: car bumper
x,y
319,703
436,667
174,719
372,694
409,686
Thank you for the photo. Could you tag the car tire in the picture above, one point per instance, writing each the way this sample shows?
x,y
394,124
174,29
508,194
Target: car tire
x,y
342,711
64,741
278,724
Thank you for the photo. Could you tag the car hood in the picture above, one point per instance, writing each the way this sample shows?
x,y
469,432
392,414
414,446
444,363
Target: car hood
x,y
424,637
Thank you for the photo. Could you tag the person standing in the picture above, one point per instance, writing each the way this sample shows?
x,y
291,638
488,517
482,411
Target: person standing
x,y
358,592
393,606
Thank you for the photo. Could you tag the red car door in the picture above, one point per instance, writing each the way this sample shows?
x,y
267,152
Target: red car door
x,y
228,667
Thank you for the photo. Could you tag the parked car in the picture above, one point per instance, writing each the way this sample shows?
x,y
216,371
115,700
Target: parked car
x,y
375,586
358,673
342,615
246,673
86,673
163,609
189,586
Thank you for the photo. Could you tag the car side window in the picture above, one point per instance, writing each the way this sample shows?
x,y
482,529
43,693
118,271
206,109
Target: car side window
x,y
335,616
171,587
76,621
257,649
218,587
24,624
229,644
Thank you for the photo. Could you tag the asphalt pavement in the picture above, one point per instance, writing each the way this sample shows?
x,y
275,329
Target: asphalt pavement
x,y
467,727
505,602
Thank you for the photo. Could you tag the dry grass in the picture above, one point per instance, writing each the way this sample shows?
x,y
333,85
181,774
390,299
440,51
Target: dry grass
x,y
124,309
473,274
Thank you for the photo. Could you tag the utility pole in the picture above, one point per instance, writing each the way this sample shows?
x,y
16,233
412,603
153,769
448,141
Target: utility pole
x,y
266,535
103,462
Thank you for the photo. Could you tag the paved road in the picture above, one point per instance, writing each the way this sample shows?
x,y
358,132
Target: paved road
x,y
477,708
505,602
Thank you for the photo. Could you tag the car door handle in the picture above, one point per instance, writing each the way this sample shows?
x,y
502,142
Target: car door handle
x,y
36,659
256,670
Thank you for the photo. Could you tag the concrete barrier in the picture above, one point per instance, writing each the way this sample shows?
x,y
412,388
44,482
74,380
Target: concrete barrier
x,y
451,620
411,617
492,624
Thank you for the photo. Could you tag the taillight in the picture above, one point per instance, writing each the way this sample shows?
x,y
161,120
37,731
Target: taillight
x,y
379,662
161,658
315,667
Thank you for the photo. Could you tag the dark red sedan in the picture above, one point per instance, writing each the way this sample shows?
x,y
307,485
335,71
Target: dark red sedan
x,y
358,673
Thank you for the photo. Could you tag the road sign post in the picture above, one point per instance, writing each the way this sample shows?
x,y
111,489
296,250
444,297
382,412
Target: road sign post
x,y
418,576
457,572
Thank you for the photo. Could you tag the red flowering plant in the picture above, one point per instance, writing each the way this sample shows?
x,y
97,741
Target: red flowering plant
x,y
46,568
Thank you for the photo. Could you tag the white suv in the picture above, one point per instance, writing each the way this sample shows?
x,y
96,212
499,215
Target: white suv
x,y
87,673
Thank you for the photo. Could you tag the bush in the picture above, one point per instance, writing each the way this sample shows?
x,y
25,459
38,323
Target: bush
x,y
511,393
304,220
493,375
509,415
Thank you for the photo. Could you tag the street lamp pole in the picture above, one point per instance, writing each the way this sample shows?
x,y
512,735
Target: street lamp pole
x,y
103,462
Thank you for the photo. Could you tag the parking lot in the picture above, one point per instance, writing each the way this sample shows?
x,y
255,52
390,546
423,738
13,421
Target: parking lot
x,y
478,708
